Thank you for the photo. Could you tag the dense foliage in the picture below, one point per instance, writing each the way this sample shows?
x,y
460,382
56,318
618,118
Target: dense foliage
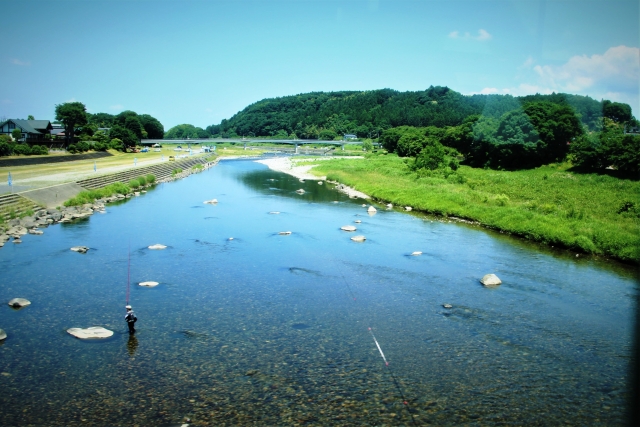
x,y
128,128
72,115
9,147
368,113
186,131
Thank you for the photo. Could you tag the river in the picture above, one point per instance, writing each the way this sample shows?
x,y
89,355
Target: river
x,y
270,329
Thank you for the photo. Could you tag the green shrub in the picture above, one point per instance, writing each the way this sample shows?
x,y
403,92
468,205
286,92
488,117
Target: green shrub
x,y
142,181
90,196
39,150
198,167
151,178
176,171
134,183
23,149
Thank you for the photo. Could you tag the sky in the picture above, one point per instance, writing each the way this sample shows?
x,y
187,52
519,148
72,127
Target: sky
x,y
199,62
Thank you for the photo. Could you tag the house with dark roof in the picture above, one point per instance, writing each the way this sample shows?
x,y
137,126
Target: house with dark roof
x,y
32,130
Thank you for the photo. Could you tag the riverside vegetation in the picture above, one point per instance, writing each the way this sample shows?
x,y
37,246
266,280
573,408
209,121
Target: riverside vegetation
x,y
589,213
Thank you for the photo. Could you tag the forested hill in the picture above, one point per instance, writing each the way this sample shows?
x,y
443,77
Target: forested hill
x,y
326,115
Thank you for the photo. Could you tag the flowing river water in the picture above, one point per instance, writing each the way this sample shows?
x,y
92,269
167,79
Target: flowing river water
x,y
269,329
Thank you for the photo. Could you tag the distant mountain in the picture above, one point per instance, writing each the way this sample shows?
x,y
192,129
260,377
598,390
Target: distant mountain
x,y
368,113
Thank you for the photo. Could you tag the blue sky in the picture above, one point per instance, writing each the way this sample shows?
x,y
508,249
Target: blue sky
x,y
199,62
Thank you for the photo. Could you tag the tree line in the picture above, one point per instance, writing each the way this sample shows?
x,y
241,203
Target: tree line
x,y
494,131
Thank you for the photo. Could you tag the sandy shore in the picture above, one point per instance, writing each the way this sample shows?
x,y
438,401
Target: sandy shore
x,y
285,165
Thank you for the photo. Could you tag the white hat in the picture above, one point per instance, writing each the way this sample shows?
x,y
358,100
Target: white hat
x,y
128,307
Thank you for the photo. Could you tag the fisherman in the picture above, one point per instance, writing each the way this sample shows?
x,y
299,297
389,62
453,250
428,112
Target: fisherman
x,y
131,319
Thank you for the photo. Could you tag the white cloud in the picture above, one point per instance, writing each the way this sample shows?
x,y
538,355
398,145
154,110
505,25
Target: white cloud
x,y
16,61
116,107
614,75
482,35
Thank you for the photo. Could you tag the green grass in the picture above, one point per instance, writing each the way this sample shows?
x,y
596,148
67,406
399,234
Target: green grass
x,y
90,196
590,213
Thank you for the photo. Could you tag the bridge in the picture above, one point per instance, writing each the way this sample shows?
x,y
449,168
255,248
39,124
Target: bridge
x,y
251,141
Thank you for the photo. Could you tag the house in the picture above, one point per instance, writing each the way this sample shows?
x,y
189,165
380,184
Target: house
x,y
33,131
348,136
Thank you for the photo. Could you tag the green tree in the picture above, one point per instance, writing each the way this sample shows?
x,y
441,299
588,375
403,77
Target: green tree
x,y
412,141
128,138
616,111
30,117
133,124
153,127
71,115
16,134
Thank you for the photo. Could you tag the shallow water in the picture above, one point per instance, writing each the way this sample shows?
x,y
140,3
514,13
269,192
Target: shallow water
x,y
267,329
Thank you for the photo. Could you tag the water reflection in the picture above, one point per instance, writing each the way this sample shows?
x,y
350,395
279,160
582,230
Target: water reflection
x,y
132,345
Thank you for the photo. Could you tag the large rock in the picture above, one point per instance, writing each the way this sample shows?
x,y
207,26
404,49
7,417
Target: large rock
x,y
358,238
94,332
490,280
149,284
36,231
300,191
17,231
348,228
3,335
408,208
157,246
372,209
19,302
80,249
416,253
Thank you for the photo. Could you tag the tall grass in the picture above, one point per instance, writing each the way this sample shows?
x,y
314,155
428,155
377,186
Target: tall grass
x,y
90,196
591,213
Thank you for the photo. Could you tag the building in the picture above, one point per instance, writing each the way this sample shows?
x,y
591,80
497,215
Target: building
x,y
348,136
33,131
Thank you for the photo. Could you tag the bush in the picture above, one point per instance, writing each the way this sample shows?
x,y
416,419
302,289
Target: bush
x,y
90,196
142,181
151,178
134,183
5,149
176,171
116,144
39,150
21,149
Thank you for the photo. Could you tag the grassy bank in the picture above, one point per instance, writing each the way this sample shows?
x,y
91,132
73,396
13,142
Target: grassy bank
x,y
593,214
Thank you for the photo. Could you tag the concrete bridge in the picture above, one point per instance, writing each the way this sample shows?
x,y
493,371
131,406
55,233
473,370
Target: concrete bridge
x,y
245,141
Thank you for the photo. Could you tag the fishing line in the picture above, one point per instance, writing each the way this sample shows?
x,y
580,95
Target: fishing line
x,y
128,273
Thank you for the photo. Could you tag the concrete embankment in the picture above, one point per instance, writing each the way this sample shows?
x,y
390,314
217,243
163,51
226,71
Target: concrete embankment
x,y
16,205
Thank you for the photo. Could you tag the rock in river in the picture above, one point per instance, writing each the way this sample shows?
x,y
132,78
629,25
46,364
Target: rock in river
x,y
416,253
80,249
284,233
372,209
19,302
94,332
157,246
490,280
358,238
3,335
211,202
149,284
300,191
348,228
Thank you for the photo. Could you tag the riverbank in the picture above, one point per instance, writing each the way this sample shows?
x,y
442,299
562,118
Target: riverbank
x,y
592,214
301,169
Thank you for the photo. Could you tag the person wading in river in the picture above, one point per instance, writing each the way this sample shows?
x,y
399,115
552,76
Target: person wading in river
x,y
131,319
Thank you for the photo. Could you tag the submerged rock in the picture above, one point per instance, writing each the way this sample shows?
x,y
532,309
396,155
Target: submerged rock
x,y
149,284
319,182
348,228
372,209
416,253
3,335
80,249
19,302
157,246
211,202
284,233
357,221
490,280
274,213
447,305
300,191
358,238
94,332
